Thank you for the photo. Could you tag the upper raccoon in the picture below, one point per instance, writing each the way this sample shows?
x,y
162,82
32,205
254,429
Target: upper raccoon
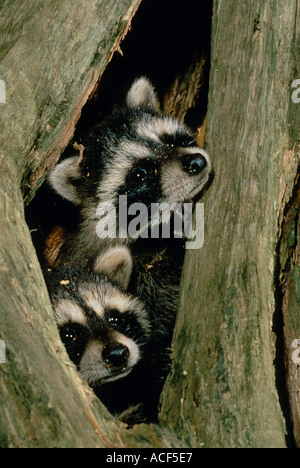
x,y
137,152
105,330
151,158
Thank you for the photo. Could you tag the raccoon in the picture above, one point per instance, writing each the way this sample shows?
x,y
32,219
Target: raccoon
x,y
105,330
150,158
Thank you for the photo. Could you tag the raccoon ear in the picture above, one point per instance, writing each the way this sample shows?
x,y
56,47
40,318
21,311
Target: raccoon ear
x,y
63,179
117,264
142,94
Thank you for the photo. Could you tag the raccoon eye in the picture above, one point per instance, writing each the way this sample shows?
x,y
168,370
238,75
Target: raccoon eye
x,y
115,319
71,334
140,174
125,322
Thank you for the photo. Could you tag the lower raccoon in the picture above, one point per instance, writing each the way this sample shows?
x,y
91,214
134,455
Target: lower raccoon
x,y
106,333
150,158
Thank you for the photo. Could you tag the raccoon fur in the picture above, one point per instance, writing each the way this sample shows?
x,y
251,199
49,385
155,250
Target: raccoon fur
x,y
151,158
106,333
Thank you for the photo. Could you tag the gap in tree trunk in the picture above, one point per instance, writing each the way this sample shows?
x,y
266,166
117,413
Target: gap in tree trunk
x,y
170,44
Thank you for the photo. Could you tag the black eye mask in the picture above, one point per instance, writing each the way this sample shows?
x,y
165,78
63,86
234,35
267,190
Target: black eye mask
x,y
180,140
125,323
74,337
142,184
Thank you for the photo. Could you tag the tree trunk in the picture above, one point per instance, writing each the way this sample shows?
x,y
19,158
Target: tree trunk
x,y
227,385
288,283
227,388
53,54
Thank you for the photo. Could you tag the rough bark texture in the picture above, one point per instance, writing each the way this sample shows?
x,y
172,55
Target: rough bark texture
x,y
238,290
288,278
52,56
182,96
227,387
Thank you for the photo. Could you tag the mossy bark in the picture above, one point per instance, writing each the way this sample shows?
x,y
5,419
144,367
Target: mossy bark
x,y
52,55
288,283
227,388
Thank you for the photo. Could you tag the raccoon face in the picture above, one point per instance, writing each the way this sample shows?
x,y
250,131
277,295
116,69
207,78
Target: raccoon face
x,y
171,170
137,152
104,333
103,328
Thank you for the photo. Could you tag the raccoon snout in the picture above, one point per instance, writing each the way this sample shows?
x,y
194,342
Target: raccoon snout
x,y
115,355
193,164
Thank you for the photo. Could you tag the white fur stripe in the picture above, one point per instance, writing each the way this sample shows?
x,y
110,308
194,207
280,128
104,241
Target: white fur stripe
x,y
154,127
68,311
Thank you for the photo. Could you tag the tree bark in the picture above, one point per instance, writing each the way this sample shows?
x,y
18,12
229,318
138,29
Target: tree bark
x,y
288,284
52,56
53,53
227,388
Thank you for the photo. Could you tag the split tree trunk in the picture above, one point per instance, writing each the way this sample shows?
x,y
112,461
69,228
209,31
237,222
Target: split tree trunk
x,y
238,290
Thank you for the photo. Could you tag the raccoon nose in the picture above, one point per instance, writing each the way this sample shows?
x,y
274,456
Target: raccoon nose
x,y
115,355
193,164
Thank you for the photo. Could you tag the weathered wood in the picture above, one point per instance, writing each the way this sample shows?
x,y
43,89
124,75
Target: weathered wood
x,y
52,55
289,302
40,402
224,387
223,390
184,92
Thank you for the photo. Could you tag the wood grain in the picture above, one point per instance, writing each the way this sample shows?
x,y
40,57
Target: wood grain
x,y
225,386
